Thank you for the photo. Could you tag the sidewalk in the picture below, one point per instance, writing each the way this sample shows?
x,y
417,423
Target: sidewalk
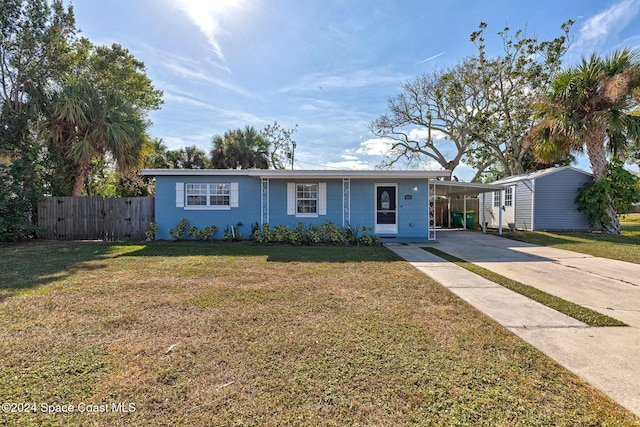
x,y
607,358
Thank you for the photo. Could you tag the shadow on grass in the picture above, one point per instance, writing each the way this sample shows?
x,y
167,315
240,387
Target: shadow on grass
x,y
274,253
36,263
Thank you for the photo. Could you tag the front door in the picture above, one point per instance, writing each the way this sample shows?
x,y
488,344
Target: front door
x,y
386,209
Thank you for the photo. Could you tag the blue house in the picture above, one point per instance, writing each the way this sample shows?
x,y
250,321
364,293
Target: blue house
x,y
392,203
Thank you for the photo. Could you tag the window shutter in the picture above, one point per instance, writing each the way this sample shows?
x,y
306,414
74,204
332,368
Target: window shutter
x,y
233,196
322,198
179,194
291,198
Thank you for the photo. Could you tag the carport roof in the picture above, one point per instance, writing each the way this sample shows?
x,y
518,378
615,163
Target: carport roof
x,y
453,188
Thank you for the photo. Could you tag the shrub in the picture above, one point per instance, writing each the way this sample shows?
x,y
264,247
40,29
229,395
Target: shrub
x,y
152,231
178,233
232,234
205,234
326,233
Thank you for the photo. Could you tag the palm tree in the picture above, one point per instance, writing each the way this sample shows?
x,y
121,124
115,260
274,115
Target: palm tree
x,y
245,148
85,124
588,107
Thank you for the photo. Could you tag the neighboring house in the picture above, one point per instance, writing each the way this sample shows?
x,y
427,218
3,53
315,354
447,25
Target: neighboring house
x,y
541,200
392,203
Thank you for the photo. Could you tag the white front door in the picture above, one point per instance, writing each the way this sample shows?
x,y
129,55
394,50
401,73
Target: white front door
x,y
386,209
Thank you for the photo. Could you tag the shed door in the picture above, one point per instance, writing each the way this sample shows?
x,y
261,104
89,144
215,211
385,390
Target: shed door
x,y
509,197
386,209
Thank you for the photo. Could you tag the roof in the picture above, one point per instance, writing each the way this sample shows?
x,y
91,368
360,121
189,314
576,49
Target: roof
x,y
452,189
537,174
300,173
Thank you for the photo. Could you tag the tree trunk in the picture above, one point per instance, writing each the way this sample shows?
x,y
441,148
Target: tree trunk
x,y
614,227
597,153
598,159
78,182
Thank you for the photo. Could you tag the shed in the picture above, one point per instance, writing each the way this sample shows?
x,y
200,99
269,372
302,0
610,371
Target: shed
x,y
537,201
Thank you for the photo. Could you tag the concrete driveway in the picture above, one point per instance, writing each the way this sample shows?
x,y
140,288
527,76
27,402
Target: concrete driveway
x,y
607,358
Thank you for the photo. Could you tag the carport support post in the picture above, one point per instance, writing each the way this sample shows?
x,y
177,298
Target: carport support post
x,y
464,212
500,214
484,212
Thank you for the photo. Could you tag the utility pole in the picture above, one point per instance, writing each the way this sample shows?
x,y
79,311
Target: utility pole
x,y
293,151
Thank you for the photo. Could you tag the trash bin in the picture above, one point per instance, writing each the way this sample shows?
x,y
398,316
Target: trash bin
x,y
457,219
471,216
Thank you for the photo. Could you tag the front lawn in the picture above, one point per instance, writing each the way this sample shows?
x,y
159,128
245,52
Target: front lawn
x,y
200,334
624,248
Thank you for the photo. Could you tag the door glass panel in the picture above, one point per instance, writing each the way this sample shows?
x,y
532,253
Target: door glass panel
x,y
386,205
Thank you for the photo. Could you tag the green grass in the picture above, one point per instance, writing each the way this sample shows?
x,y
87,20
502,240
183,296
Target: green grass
x,y
623,248
583,314
200,334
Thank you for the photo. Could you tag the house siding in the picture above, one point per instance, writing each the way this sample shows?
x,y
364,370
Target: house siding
x,y
523,199
555,207
168,215
412,204
278,203
413,211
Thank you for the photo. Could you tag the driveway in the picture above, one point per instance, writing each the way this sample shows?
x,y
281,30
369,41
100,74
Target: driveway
x,y
607,358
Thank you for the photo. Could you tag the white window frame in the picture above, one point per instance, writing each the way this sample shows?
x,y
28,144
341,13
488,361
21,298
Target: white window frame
x,y
496,199
212,190
301,189
293,199
508,196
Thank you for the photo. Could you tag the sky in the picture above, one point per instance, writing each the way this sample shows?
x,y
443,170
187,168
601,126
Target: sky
x,y
327,66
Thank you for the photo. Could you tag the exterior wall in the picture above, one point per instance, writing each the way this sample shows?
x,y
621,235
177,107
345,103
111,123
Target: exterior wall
x,y
523,204
413,213
168,215
412,204
486,204
278,203
554,205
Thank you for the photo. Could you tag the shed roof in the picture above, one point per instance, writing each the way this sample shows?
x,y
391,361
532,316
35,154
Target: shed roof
x,y
537,174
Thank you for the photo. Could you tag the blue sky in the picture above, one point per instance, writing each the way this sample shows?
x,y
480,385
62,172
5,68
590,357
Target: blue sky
x,y
328,66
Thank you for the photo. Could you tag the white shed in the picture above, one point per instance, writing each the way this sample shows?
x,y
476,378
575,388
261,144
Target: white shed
x,y
541,200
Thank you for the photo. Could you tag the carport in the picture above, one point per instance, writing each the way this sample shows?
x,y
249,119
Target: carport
x,y
462,189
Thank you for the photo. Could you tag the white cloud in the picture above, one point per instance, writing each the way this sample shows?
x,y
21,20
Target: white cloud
x,y
374,147
349,165
417,134
598,29
322,82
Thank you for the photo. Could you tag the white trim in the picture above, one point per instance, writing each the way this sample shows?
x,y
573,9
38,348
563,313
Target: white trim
x,y
234,195
533,204
291,198
300,173
322,198
179,194
207,208
208,186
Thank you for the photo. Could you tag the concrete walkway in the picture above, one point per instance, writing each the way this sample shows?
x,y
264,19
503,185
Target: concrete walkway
x,y
607,358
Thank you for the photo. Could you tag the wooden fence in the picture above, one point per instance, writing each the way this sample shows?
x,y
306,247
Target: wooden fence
x,y
457,205
95,218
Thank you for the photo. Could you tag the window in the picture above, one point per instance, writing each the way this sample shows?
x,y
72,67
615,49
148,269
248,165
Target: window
x,y
307,199
219,194
208,196
508,196
496,199
197,194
